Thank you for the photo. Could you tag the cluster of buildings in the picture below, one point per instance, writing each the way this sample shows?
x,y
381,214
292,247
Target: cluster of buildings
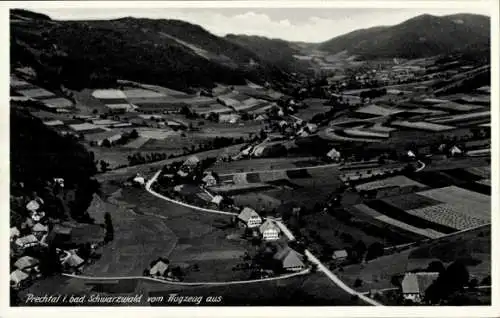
x,y
33,236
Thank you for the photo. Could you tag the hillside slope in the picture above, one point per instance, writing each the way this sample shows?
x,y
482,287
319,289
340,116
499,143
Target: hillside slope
x,y
275,51
424,35
172,53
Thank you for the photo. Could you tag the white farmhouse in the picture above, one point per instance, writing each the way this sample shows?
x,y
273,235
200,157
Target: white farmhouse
x,y
414,285
269,230
249,218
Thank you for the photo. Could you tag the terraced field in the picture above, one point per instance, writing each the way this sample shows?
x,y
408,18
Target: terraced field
x,y
448,215
424,232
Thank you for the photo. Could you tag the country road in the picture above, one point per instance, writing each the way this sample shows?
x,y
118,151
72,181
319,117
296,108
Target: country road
x,y
334,278
238,282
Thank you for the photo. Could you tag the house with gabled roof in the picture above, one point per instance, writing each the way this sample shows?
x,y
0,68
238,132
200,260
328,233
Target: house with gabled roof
x,y
18,278
249,218
27,241
339,255
73,262
159,268
14,233
27,264
333,154
414,285
40,228
269,230
289,259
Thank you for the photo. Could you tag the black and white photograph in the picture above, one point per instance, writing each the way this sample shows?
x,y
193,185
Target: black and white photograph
x,y
178,156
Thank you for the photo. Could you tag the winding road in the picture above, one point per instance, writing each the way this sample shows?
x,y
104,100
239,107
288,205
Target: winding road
x,y
334,278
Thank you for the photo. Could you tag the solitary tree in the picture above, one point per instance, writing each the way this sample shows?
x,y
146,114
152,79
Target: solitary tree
x,y
109,228
375,250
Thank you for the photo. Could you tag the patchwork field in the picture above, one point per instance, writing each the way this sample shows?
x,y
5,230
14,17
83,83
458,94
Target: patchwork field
x,y
302,186
472,247
147,228
443,210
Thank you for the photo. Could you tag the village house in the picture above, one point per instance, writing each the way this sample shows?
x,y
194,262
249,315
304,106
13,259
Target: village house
x,y
72,263
14,233
289,259
455,151
209,180
333,155
191,162
249,218
414,285
138,179
26,241
39,230
18,278
34,205
159,269
217,200
27,264
36,216
269,230
339,256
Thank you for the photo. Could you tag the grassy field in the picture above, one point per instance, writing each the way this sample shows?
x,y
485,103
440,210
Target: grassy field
x,y
470,246
138,240
315,106
184,236
313,290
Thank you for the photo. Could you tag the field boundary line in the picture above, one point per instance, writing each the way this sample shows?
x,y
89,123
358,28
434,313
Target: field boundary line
x,y
286,169
237,282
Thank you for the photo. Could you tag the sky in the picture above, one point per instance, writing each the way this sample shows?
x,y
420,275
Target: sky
x,y
291,24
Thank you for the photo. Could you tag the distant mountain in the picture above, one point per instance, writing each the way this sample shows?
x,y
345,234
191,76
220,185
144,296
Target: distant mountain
x,y
424,35
276,51
172,53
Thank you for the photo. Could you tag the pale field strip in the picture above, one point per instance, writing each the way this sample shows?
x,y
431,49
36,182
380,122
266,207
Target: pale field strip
x,y
458,107
14,82
141,93
108,93
53,123
428,111
421,125
400,181
484,172
83,127
119,106
359,132
137,143
449,215
453,118
429,233
156,134
333,136
479,152
486,182
479,204
58,102
35,92
378,110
